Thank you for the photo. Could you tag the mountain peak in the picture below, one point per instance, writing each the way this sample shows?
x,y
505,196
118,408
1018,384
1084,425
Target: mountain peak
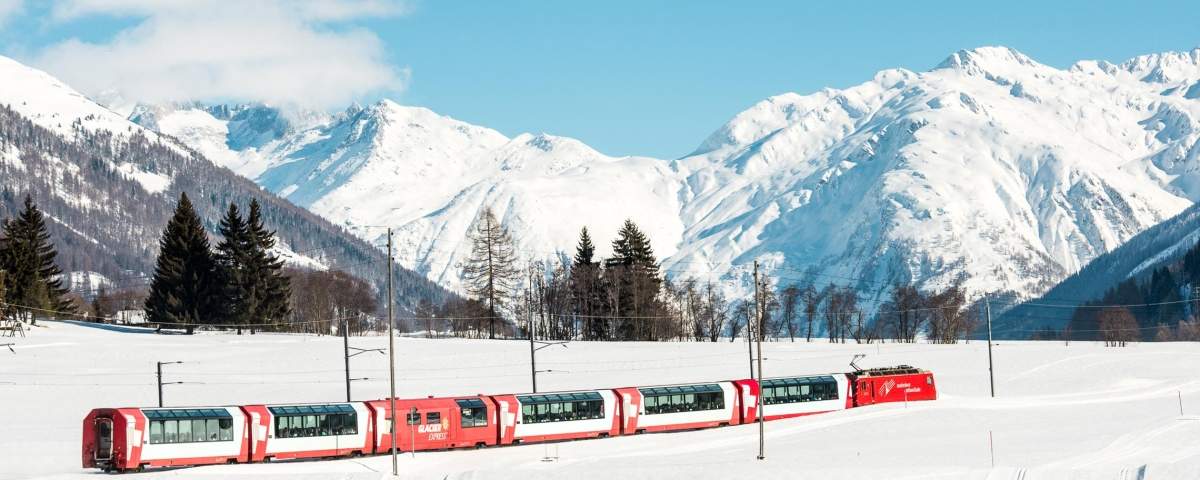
x,y
986,59
1165,67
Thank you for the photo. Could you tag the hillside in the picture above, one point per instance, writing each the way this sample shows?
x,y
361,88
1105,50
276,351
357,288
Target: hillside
x,y
991,170
108,186
1161,245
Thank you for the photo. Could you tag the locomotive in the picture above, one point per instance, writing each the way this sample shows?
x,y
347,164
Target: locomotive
x,y
132,439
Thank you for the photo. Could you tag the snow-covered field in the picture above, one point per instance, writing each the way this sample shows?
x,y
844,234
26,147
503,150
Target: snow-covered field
x,y
1061,412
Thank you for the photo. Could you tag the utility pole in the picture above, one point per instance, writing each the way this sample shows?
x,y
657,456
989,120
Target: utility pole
x,y
346,353
529,324
160,382
391,354
346,349
535,345
987,306
758,325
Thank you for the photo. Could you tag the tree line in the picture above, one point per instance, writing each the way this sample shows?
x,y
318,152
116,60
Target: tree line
x,y
239,283
626,298
1163,305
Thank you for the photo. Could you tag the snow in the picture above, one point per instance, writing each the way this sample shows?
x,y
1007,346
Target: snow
x,y
991,169
299,260
151,182
1062,412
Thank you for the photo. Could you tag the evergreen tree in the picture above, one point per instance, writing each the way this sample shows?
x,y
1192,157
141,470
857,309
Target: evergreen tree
x,y
183,291
232,254
269,289
490,274
586,288
26,253
584,251
634,270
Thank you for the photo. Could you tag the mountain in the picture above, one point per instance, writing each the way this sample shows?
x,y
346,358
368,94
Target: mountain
x,y
990,170
1162,245
108,185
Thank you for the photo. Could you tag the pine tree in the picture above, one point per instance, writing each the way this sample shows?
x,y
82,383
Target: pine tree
x,y
183,290
231,258
586,288
490,274
34,279
634,269
584,251
269,288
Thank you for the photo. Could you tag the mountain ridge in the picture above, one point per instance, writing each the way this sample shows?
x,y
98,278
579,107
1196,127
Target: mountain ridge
x,y
990,170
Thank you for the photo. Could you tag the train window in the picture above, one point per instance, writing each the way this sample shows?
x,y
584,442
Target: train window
x,y
213,432
687,398
170,431
199,431
156,431
226,427
323,426
414,418
433,418
560,407
185,431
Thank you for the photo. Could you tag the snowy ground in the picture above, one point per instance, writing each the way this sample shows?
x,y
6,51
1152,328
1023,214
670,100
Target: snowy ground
x,y
1062,412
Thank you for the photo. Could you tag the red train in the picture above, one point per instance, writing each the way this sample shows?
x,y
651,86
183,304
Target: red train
x,y
130,439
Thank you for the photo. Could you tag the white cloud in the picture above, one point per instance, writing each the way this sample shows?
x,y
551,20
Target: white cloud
x,y
9,9
280,52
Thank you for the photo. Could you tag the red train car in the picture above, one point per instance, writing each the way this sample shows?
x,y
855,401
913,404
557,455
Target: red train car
x,y
543,417
124,439
786,397
892,384
309,430
436,423
681,407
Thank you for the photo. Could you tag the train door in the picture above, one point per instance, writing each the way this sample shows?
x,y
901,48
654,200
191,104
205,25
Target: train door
x,y
866,392
104,439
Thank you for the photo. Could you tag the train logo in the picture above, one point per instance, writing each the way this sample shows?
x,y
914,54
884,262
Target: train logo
x,y
887,387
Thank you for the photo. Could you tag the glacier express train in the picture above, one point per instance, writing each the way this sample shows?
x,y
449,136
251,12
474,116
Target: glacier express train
x,y
131,439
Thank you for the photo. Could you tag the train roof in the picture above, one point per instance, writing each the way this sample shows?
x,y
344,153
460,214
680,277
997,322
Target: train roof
x,y
884,371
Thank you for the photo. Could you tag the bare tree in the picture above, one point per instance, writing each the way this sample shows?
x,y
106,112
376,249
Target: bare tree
x,y
1117,326
812,301
789,300
949,317
490,274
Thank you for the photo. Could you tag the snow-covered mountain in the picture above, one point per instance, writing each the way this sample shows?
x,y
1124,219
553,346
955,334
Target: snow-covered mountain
x,y
990,169
108,185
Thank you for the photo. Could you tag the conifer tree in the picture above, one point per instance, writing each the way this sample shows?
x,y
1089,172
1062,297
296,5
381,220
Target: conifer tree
x,y
33,280
268,287
585,250
183,290
586,288
490,274
635,270
231,258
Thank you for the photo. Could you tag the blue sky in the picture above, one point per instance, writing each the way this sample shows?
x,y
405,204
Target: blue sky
x,y
653,77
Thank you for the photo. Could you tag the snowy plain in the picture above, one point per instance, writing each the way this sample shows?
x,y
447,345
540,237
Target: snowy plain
x,y
1061,412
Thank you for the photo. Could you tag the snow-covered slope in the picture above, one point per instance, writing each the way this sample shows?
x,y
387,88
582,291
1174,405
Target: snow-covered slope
x,y
1077,412
107,185
991,169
